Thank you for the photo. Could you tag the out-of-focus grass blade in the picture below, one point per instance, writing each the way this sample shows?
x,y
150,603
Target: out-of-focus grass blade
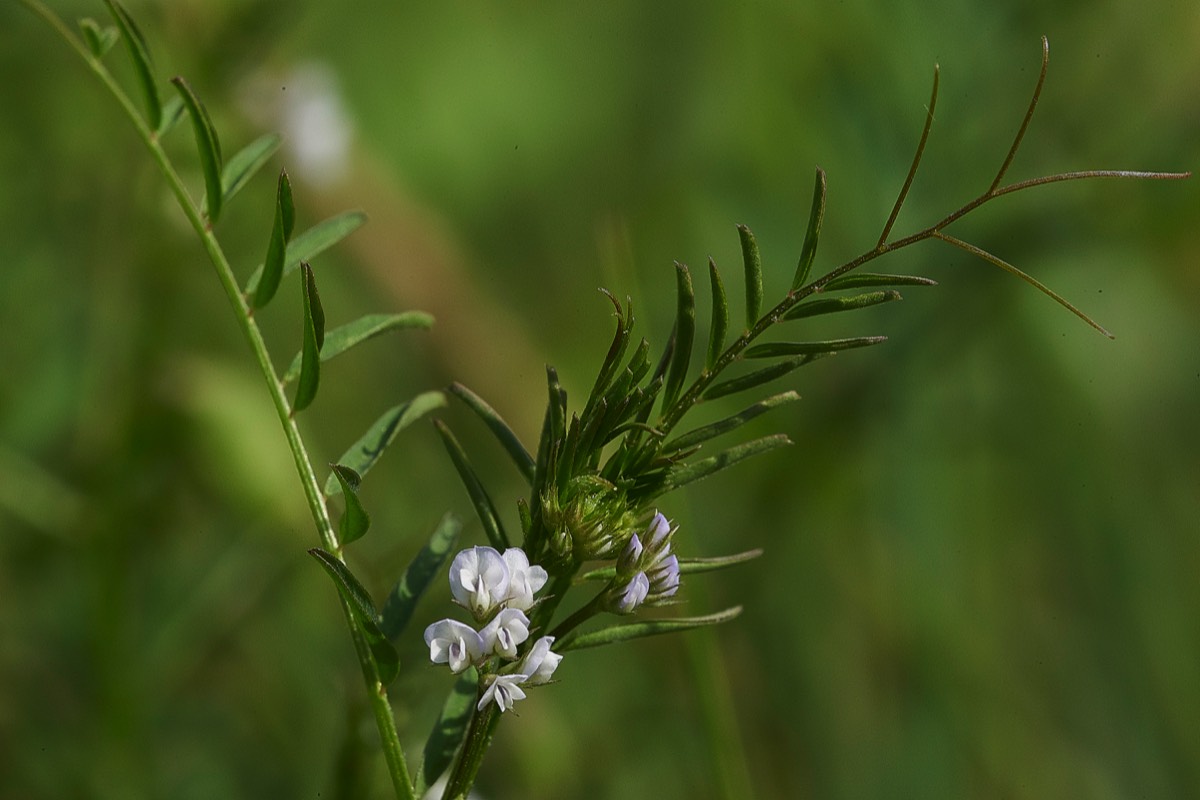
x,y
344,337
484,506
776,349
359,600
499,428
875,280
425,567
832,305
246,162
281,231
369,448
638,630
448,732
702,468
752,264
685,332
99,40
208,146
316,240
143,67
314,337
759,376
355,519
699,435
720,316
815,216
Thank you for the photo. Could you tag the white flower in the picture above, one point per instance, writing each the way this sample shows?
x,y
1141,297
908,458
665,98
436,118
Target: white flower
x,y
504,690
504,633
451,642
540,662
524,580
479,580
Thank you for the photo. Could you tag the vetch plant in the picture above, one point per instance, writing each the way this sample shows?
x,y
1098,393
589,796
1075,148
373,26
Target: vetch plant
x,y
596,516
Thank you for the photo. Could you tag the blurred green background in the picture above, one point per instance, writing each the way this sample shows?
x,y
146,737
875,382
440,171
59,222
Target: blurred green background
x,y
982,567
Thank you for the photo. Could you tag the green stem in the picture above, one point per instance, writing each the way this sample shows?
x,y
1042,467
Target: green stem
x,y
376,691
478,738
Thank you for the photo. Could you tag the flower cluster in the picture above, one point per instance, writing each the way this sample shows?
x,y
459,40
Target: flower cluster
x,y
646,572
497,588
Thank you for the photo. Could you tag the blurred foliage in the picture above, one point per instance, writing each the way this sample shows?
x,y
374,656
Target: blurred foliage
x,y
981,569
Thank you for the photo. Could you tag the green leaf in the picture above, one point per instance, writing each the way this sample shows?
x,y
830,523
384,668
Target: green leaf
x,y
246,162
355,521
872,280
479,496
314,337
344,337
99,40
425,568
369,448
615,351
760,376
752,264
143,67
695,437
638,630
815,215
499,428
208,146
775,349
685,331
832,305
687,566
172,111
281,231
720,316
696,470
314,241
387,662
449,731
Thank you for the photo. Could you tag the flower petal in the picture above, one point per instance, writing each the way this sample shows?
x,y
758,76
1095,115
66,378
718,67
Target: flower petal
x,y
505,633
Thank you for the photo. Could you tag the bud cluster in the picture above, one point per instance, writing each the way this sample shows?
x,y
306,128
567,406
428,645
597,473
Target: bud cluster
x,y
590,521
497,588
647,572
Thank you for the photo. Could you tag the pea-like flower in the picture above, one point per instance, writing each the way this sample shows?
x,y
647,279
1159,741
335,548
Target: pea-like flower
x,y
625,597
524,581
479,580
454,643
504,690
505,633
540,662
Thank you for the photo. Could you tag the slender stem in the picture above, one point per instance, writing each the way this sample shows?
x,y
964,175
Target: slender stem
x,y
584,613
470,758
1016,143
916,162
377,692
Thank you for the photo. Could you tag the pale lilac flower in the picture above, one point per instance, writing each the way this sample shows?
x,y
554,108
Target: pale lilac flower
x,y
524,580
451,642
505,633
658,533
628,560
628,597
664,577
540,662
504,690
479,580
